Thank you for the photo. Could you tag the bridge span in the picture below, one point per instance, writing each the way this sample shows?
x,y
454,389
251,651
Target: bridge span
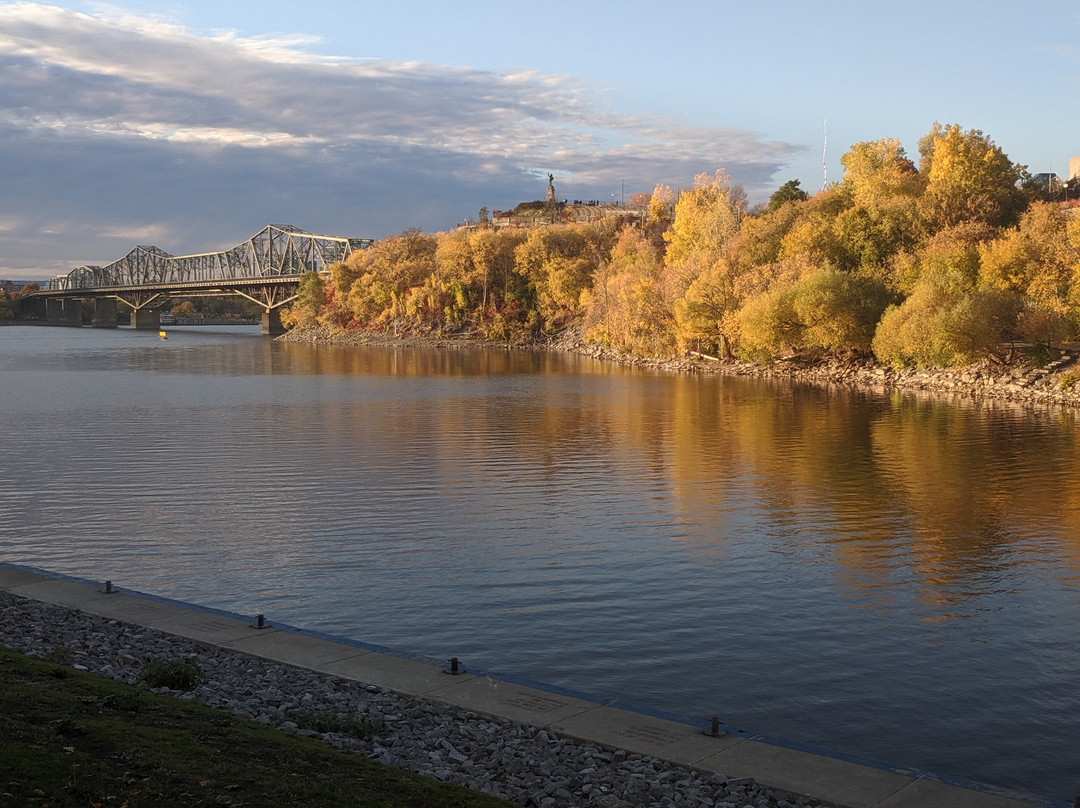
x,y
265,269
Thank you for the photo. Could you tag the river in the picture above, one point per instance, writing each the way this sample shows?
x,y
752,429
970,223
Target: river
x,y
889,576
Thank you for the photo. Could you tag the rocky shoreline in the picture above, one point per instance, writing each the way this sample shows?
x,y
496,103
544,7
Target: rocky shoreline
x,y
1014,379
525,765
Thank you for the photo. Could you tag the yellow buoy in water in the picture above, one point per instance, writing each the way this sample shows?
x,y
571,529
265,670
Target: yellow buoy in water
x,y
162,335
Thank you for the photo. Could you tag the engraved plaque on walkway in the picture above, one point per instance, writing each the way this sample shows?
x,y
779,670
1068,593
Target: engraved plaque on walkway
x,y
650,734
211,624
535,703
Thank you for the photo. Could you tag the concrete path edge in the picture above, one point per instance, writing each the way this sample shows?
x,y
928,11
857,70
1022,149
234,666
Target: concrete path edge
x,y
840,779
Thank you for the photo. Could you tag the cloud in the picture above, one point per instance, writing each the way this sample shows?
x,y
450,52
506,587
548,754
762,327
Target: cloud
x,y
116,125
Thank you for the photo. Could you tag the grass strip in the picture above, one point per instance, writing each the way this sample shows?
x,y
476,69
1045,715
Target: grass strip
x,y
71,738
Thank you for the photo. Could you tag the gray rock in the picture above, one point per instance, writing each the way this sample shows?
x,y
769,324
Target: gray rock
x,y
522,764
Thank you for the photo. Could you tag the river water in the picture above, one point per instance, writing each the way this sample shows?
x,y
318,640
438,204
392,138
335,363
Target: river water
x,y
881,575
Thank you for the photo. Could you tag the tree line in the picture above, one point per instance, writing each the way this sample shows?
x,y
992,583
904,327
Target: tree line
x,y
936,263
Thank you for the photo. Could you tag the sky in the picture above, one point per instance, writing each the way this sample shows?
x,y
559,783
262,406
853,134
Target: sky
x,y
192,125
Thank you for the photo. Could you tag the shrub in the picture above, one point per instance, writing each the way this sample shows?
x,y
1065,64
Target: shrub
x,y
938,326
175,674
341,723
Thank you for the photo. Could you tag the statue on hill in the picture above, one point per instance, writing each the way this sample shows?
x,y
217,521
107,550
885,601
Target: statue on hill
x,y
551,190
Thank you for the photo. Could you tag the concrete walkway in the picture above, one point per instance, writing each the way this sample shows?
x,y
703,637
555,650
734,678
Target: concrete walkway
x,y
834,779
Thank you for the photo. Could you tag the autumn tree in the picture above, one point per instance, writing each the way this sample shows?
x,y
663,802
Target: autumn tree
x,y
706,218
878,171
812,235
880,188
382,275
760,240
661,207
827,311
949,318
1039,262
704,312
185,308
453,292
560,262
625,308
493,259
969,178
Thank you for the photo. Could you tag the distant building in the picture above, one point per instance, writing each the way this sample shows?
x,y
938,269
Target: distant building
x,y
11,287
1074,168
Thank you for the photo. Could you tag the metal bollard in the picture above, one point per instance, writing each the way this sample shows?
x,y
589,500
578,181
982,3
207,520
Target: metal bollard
x,y
260,622
714,730
455,667
108,587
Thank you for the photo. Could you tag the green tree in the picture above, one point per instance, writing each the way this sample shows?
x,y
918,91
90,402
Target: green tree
x,y
310,300
788,192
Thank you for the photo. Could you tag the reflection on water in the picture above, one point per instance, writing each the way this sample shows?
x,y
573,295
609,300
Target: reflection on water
x,y
883,575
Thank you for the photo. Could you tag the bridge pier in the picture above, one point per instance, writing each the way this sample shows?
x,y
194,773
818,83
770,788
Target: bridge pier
x,y
63,311
146,319
103,312
271,323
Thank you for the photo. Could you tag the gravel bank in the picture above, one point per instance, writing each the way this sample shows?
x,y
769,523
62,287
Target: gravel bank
x,y
523,764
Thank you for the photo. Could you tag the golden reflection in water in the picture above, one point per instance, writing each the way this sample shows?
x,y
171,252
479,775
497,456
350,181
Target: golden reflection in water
x,y
904,494
944,496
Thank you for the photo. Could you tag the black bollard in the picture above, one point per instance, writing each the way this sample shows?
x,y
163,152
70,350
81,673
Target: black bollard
x,y
108,587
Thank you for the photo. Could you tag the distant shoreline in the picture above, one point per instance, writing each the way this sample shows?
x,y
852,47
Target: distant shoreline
x,y
1016,380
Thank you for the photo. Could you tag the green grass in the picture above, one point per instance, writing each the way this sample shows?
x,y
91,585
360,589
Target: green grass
x,y
70,738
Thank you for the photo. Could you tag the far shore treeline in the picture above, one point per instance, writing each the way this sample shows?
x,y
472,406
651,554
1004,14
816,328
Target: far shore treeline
x,y
934,264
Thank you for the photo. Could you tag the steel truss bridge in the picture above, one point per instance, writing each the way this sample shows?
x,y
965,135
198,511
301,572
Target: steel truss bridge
x,y
265,269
